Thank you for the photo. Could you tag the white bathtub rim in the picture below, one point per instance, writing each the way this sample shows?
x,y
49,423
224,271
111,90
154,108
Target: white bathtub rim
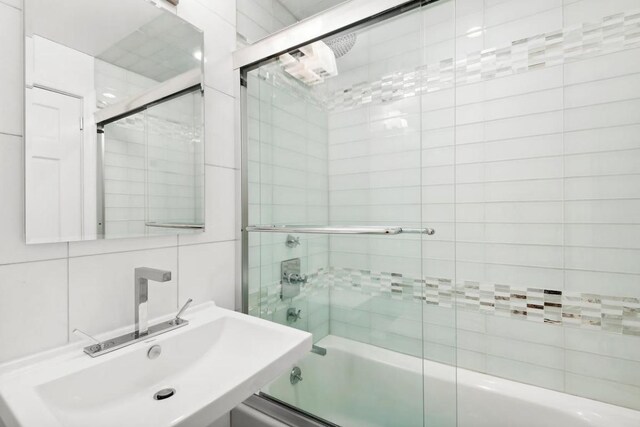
x,y
592,412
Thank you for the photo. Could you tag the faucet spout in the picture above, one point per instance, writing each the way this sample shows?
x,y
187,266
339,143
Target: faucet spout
x,y
142,277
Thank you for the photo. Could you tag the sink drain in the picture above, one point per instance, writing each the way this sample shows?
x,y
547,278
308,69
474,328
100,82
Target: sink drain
x,y
165,393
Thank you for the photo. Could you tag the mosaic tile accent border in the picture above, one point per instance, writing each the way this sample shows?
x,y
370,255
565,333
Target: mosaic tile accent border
x,y
574,309
613,33
614,314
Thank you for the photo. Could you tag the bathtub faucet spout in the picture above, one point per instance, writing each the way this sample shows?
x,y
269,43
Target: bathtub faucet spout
x,y
319,350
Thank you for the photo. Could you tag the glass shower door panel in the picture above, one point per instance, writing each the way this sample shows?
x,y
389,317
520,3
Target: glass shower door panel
x,y
438,118
320,156
287,184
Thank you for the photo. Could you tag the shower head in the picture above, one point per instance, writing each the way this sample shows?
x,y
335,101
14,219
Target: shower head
x,y
341,45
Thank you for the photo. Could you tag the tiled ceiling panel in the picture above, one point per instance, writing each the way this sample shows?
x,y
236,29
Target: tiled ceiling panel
x,y
302,9
159,50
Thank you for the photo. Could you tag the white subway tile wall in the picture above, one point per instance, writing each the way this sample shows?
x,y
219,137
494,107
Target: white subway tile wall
x,y
51,289
526,165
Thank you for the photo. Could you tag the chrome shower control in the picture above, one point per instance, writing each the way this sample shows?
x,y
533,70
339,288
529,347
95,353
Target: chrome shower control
x,y
292,241
293,315
290,278
296,376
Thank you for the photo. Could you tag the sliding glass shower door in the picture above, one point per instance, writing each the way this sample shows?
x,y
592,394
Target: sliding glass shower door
x,y
349,236
508,127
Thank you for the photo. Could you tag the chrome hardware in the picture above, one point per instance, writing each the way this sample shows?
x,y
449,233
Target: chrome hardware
x,y
294,278
185,82
319,350
293,315
186,305
292,241
291,279
174,225
313,229
427,231
125,340
97,344
296,376
165,393
142,277
154,352
142,331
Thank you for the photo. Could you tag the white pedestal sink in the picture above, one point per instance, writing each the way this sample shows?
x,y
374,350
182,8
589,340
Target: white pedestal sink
x,y
214,363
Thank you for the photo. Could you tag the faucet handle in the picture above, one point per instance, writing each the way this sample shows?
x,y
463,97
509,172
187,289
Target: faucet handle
x,y
89,337
182,310
292,241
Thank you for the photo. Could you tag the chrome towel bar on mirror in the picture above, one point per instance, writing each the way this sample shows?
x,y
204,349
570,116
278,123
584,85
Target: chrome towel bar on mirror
x,y
330,229
173,225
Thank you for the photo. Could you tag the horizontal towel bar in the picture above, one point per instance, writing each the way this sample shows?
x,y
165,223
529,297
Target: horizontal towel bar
x,y
330,229
174,225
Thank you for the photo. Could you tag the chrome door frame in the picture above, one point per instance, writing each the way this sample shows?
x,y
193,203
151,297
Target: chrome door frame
x,y
333,20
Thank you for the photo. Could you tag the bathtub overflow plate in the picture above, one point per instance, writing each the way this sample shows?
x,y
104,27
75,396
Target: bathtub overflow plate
x,y
154,352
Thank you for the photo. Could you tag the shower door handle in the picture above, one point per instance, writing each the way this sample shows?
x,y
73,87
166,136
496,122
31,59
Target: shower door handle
x,y
328,229
427,231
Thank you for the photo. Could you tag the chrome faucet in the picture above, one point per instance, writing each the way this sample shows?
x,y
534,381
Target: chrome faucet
x,y
142,277
143,331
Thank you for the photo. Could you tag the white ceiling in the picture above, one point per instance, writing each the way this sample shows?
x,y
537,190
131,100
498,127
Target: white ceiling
x,y
302,9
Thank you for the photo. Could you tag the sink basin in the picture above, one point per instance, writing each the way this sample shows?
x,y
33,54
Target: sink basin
x,y
213,364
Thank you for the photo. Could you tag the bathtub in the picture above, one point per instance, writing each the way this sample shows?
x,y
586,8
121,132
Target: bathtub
x,y
360,385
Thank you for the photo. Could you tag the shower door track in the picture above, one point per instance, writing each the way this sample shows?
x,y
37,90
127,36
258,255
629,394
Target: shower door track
x,y
284,412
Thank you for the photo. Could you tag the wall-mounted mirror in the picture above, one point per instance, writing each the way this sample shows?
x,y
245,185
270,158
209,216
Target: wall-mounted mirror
x,y
114,129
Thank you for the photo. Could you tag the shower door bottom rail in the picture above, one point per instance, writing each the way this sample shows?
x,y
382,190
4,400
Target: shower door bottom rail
x,y
330,229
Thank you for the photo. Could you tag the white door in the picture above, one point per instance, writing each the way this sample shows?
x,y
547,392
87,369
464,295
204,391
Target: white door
x,y
53,167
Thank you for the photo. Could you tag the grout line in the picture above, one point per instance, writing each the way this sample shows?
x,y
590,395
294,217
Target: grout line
x,y
10,134
564,210
33,261
208,243
550,178
11,5
488,141
177,271
452,149
68,295
221,166
123,251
